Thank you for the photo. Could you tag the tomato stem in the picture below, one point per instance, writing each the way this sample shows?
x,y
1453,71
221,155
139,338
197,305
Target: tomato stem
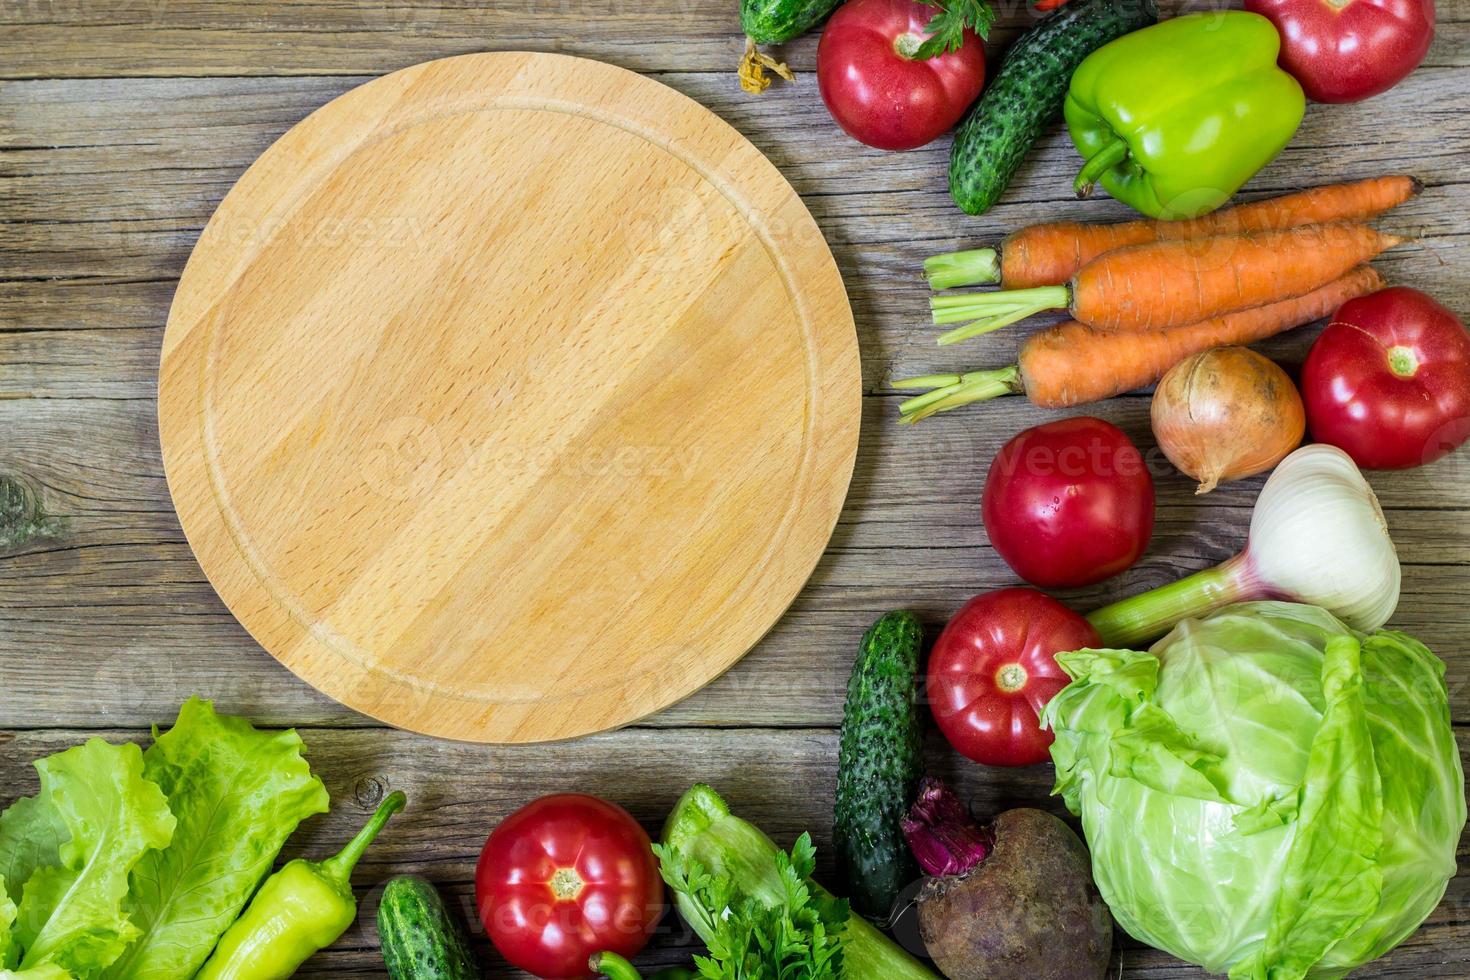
x,y
1011,678
566,884
1402,362
907,45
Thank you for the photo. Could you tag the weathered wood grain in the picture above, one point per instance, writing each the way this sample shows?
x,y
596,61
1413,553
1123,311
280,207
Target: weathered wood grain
x,y
118,611
116,178
86,38
123,123
783,781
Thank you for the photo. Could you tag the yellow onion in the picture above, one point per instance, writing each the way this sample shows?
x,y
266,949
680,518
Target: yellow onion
x,y
1225,414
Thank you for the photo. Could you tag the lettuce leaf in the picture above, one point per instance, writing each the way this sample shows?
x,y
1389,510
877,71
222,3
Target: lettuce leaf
x,y
48,971
31,835
237,793
71,913
7,919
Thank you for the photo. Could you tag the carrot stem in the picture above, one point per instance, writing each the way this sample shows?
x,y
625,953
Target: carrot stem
x,y
991,311
984,326
1098,164
954,390
972,267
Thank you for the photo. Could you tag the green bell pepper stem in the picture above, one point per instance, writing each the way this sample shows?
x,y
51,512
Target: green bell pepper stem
x,y
1098,164
1143,618
953,390
975,267
299,910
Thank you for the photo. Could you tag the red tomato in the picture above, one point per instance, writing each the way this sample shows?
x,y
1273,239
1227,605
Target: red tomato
x,y
564,877
993,669
1347,50
883,97
1069,503
1388,382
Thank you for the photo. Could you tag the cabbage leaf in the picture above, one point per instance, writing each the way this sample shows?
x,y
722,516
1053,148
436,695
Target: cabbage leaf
x,y
1265,792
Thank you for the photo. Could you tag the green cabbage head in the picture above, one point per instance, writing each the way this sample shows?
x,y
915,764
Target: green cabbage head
x,y
1265,792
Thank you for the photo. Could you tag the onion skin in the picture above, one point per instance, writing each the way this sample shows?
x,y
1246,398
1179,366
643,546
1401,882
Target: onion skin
x,y
1225,414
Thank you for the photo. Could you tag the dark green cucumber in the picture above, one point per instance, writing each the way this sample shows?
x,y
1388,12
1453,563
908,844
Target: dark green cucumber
x,y
879,762
778,21
420,939
1027,94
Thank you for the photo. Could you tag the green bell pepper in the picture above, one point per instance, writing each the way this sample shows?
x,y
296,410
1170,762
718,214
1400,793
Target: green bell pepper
x,y
1174,118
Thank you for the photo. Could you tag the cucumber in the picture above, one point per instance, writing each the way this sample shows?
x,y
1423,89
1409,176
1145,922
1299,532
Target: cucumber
x,y
879,762
420,939
1027,94
778,21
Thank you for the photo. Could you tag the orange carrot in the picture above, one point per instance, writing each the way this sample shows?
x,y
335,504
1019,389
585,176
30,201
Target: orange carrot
x,y
1073,364
1164,284
1050,254
1170,283
1044,255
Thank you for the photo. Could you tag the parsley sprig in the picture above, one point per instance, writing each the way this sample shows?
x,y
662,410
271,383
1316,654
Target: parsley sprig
x,y
797,938
946,29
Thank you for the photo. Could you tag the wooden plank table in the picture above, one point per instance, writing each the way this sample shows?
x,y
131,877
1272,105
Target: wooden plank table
x,y
123,123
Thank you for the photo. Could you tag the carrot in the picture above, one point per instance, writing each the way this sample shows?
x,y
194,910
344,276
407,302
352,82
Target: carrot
x,y
1051,253
1073,364
1164,284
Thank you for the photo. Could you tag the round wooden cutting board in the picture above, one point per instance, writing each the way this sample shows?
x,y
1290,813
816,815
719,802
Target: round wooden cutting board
x,y
510,397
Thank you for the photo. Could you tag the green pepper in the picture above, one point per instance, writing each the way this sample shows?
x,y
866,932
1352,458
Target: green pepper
x,y
614,967
300,909
1174,118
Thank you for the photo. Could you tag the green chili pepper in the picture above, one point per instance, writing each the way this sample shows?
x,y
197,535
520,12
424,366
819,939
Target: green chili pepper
x,y
1174,118
300,909
614,967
